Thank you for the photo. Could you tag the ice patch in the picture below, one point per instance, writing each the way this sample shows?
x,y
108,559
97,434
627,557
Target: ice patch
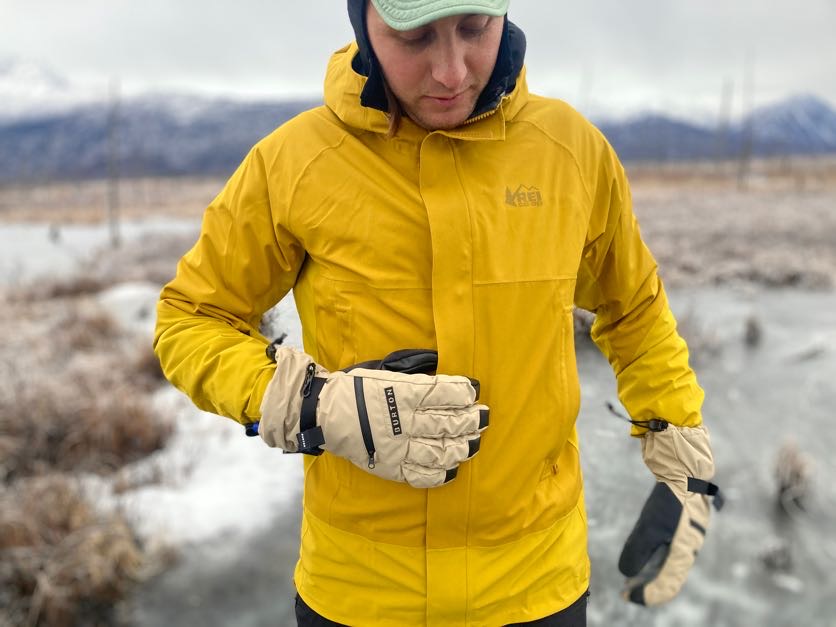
x,y
208,481
132,305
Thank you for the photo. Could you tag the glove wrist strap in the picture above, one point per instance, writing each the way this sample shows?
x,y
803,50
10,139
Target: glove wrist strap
x,y
701,486
310,437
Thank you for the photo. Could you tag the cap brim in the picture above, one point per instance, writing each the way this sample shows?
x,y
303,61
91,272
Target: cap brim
x,y
409,14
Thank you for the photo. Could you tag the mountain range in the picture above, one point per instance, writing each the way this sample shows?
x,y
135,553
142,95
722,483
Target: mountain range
x,y
800,125
50,131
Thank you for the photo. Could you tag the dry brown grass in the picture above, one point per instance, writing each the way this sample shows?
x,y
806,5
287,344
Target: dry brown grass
x,y
793,174
146,366
85,329
74,286
62,564
79,402
75,202
705,230
73,399
73,425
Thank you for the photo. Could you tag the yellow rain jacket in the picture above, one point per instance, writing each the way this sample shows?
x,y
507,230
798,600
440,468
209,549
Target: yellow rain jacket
x,y
478,242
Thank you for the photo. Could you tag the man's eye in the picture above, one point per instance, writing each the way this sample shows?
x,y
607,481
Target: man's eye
x,y
470,31
474,26
416,40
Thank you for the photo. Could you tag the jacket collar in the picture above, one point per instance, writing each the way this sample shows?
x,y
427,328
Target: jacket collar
x,y
509,64
343,87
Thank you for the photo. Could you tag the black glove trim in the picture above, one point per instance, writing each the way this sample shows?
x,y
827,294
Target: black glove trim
x,y
310,440
310,437
706,487
654,529
637,595
405,361
363,417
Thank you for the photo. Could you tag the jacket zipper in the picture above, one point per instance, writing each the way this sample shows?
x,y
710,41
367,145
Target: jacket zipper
x,y
363,414
486,114
479,117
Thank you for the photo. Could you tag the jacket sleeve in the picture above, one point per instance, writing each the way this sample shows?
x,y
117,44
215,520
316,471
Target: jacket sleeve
x,y
634,326
208,316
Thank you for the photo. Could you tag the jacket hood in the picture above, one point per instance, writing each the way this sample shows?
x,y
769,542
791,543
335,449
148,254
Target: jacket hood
x,y
509,64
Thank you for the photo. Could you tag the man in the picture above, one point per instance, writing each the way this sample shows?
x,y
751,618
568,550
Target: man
x,y
434,204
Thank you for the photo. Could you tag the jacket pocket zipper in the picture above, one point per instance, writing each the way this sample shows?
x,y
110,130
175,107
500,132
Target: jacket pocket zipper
x,y
363,414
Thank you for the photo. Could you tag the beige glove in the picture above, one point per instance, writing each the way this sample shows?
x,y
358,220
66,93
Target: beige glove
x,y
386,417
671,528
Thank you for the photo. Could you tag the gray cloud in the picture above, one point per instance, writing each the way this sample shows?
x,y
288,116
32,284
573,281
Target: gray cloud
x,y
607,55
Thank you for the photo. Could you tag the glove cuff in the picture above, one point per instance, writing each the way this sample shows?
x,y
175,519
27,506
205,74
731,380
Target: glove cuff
x,y
677,454
281,407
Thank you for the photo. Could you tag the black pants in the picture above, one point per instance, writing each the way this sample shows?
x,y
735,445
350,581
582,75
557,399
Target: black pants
x,y
572,616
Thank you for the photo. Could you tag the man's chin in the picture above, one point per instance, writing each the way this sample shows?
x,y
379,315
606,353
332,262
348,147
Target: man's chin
x,y
439,122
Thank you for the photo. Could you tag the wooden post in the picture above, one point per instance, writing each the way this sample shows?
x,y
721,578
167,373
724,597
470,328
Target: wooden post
x,y
113,165
747,141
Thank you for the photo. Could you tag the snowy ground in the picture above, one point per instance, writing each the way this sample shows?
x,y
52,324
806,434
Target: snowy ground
x,y
216,481
32,251
211,490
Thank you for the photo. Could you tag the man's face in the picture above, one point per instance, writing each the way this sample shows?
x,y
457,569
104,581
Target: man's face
x,y
437,71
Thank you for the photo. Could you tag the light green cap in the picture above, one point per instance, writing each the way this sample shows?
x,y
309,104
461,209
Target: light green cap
x,y
408,14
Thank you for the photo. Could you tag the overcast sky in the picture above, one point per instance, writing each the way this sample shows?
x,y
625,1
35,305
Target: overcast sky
x,y
601,55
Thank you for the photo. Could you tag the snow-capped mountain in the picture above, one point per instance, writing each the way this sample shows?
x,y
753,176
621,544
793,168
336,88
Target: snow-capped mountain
x,y
29,89
801,124
653,136
153,136
51,129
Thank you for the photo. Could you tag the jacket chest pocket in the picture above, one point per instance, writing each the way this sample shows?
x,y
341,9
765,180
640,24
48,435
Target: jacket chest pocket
x,y
527,243
358,322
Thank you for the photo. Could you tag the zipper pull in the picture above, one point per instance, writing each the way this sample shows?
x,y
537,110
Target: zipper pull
x,y
308,383
654,424
371,461
657,424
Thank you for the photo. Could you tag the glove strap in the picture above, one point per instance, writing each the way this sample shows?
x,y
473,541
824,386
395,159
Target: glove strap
x,y
310,437
710,489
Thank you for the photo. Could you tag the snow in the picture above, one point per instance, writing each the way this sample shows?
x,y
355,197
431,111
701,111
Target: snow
x,y
29,89
215,480
210,480
32,251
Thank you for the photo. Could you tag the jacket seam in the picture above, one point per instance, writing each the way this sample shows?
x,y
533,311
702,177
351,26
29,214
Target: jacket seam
x,y
360,283
545,530
559,277
308,512
563,146
305,168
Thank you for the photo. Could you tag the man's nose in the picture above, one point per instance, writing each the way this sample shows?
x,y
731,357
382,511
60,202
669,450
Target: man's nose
x,y
449,67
